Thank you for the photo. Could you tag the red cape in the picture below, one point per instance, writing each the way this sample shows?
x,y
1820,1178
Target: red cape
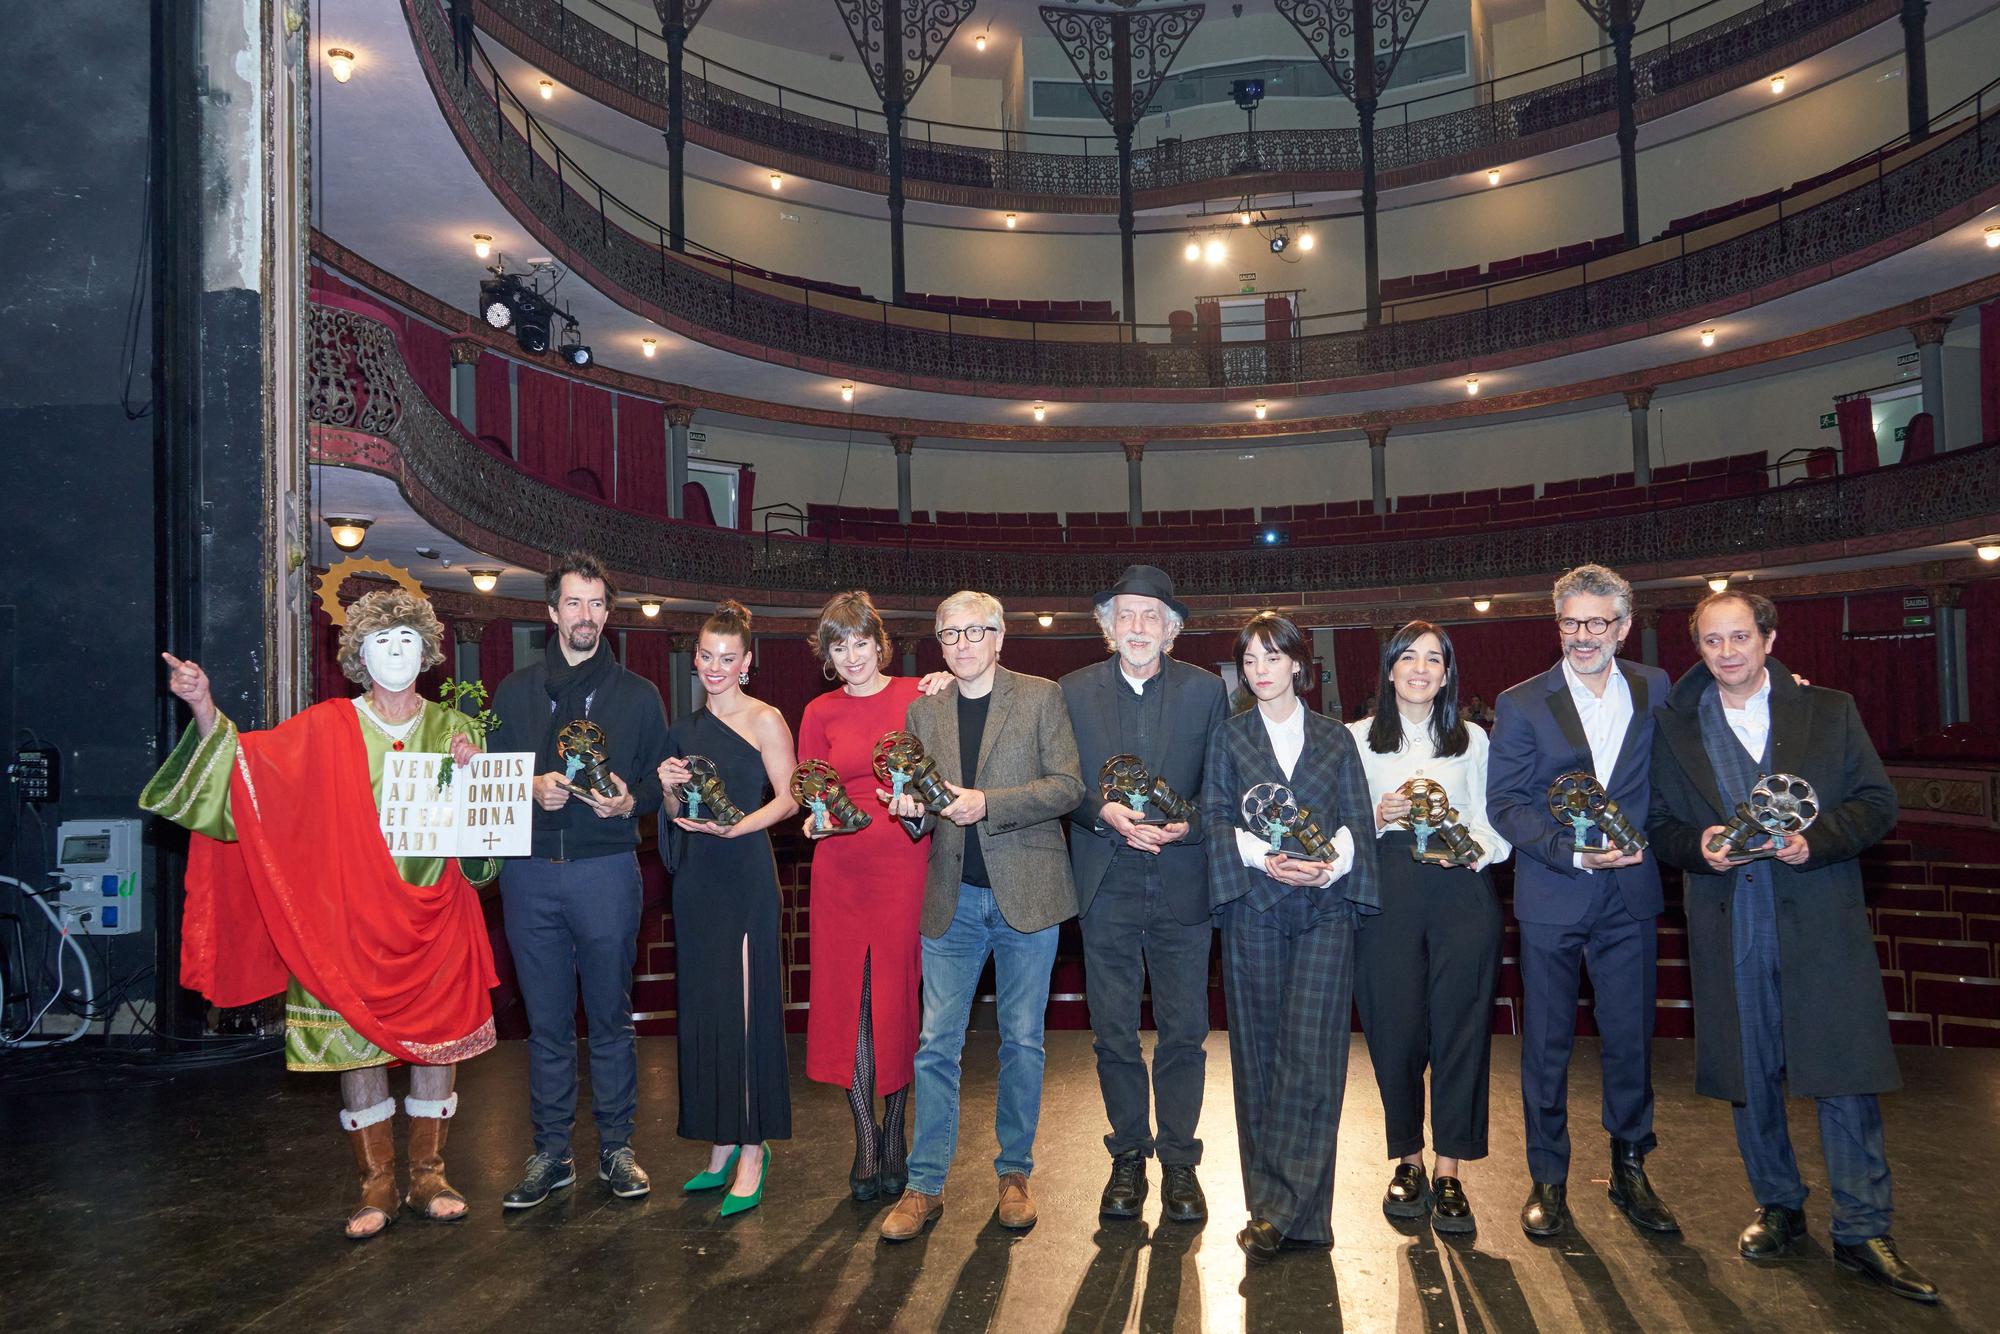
x,y
309,890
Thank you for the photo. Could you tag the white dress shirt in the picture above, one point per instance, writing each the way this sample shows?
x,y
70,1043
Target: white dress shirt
x,y
1605,718
1288,742
1752,722
1462,776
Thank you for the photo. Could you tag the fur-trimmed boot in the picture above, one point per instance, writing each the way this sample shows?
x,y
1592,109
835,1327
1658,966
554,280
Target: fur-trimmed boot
x,y
429,1120
373,1136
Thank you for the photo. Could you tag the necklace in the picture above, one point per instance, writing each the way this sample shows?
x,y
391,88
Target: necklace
x,y
396,732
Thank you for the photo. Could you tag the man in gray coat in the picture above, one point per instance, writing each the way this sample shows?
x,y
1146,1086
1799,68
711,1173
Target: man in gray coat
x,y
1142,889
998,885
1786,984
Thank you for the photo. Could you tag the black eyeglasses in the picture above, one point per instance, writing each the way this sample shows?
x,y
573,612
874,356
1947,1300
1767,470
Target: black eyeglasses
x,y
973,634
1597,625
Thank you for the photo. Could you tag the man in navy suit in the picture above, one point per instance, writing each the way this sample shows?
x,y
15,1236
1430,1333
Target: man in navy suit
x,y
1590,712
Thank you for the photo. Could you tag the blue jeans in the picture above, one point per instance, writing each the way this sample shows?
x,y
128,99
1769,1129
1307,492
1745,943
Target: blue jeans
x,y
952,964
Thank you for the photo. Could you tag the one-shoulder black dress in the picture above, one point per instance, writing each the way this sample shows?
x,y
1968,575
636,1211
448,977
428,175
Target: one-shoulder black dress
x,y
734,1085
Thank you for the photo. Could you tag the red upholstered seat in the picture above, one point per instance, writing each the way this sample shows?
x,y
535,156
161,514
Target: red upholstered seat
x,y
1962,1031
1942,993
1673,979
1907,922
1970,900
1978,875
1895,989
1911,1030
1673,1018
1965,958
1506,1018
1922,898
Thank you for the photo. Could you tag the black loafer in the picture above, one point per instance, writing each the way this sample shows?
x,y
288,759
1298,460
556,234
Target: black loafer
x,y
1450,1210
1260,1241
1409,1193
1125,1191
1633,1193
1771,1233
544,1173
1181,1200
1547,1211
1876,1259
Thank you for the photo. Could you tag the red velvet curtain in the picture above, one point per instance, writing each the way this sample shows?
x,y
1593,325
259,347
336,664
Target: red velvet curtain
x,y
493,401
427,352
648,653
326,678
543,401
496,654
1989,371
1921,442
586,447
1278,328
1493,655
787,675
1982,653
1357,661
642,456
746,494
1208,320
1856,418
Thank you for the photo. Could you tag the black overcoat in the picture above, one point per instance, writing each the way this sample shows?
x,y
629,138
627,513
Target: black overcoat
x,y
1836,1021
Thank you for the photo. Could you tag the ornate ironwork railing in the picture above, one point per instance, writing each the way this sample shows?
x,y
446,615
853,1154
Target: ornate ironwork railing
x,y
457,480
1440,127
576,216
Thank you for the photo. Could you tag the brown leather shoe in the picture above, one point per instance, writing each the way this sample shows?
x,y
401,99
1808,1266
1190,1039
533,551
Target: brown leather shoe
x,y
428,1127
375,1160
914,1212
1017,1206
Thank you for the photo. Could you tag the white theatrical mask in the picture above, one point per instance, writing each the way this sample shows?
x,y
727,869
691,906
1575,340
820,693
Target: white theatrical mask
x,y
394,657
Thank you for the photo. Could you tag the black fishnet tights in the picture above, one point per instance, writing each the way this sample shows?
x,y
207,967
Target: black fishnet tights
x,y
874,1146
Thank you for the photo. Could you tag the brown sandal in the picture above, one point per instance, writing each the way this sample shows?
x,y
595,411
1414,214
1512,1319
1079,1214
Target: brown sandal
x,y
428,1126
373,1137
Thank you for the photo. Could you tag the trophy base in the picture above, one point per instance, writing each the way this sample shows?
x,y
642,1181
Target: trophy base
x,y
579,790
1435,858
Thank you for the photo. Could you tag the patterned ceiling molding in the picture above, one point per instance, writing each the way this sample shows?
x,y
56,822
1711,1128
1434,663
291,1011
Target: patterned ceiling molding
x,y
1121,58
899,41
1339,31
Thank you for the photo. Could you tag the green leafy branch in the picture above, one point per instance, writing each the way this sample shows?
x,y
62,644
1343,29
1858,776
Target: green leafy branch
x,y
458,695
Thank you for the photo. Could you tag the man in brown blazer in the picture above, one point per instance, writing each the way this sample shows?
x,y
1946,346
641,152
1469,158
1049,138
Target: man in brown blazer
x,y
999,883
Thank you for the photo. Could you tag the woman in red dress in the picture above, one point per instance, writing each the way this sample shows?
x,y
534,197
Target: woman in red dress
x,y
867,895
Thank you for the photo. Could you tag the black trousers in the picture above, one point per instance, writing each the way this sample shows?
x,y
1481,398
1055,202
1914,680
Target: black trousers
x,y
1425,968
1129,933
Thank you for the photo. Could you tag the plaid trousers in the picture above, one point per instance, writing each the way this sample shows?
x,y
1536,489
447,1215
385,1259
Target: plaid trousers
x,y
1289,982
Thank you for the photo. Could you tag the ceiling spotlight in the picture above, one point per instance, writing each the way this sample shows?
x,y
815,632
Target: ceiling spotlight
x,y
847,393
1718,584
1010,222
649,608
1259,409
1045,620
979,41
548,89
1777,83
1988,550
1243,218
1270,537
485,580
648,346
574,350
1493,175
1708,337
348,531
1193,251
340,63
1279,240
1215,252
1040,412
1472,385
777,180
1305,238
482,244
1993,237
1482,604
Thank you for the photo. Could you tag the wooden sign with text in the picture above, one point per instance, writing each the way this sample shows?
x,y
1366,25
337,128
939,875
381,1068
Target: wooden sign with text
x,y
483,812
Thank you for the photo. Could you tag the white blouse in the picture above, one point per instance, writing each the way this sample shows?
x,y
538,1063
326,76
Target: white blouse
x,y
1288,742
1463,778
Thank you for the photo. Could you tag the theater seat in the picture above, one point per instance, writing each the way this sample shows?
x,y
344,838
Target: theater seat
x,y
1961,1031
1911,1030
1941,993
1965,958
1902,922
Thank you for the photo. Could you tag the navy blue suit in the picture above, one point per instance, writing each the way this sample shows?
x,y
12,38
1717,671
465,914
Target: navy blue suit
x,y
1570,918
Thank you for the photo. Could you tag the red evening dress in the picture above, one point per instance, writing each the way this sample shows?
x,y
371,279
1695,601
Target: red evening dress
x,y
867,896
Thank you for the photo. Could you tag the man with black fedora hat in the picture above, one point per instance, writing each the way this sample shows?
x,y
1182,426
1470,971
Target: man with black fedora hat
x,y
1142,889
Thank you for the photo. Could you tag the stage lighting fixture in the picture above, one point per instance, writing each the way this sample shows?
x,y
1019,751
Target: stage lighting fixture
x,y
573,349
1279,240
1243,218
1216,252
496,302
1247,92
1193,251
1271,537
340,63
1305,238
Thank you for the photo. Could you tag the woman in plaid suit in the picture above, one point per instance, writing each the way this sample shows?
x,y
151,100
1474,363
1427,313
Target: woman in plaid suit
x,y
1288,923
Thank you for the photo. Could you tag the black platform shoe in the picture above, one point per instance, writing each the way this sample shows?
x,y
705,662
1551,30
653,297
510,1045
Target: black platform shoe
x,y
1409,1193
1547,1211
1771,1233
1633,1193
1450,1211
1125,1191
1876,1259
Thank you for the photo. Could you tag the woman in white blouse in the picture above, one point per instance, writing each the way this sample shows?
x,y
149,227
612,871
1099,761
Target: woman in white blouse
x,y
1425,967
1288,930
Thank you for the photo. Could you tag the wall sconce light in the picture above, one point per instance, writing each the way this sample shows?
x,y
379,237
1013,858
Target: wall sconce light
x,y
1993,237
348,531
485,580
340,63
1988,550
777,180
1493,175
1040,412
847,393
1777,84
1708,337
482,244
649,608
1719,584
1259,409
648,346
1472,385
1010,222
1045,620
1482,604
548,89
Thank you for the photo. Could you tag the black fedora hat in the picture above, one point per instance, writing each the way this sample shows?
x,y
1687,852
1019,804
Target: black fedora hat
x,y
1148,581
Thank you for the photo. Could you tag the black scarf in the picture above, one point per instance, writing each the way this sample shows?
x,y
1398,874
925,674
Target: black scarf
x,y
570,690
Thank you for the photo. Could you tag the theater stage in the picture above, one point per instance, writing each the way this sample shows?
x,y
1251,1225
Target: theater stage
x,y
213,1202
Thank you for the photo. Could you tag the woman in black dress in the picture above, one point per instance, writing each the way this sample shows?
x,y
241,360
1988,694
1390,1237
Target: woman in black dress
x,y
733,1081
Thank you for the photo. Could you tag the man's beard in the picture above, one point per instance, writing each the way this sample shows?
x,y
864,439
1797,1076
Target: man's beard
x,y
583,638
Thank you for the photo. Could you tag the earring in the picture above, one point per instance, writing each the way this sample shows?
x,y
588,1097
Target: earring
x,y
743,677
826,670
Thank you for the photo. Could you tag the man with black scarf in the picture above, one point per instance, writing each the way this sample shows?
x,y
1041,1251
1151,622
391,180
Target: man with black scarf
x,y
572,908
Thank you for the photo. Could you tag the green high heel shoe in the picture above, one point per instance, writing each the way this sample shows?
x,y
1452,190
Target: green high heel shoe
x,y
701,1181
736,1204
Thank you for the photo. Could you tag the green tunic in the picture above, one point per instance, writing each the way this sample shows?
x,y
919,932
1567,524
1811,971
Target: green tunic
x,y
192,790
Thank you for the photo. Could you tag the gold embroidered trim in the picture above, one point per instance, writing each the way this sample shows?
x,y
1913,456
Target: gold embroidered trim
x,y
450,1053
214,745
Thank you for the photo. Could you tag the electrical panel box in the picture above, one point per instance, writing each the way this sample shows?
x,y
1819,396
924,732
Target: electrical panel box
x,y
98,862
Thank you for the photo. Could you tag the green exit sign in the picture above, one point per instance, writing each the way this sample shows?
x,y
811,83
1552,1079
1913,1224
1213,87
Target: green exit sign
x,y
1922,622
1826,420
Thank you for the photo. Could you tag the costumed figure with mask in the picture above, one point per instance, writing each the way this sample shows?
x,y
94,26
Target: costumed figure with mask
x,y
291,887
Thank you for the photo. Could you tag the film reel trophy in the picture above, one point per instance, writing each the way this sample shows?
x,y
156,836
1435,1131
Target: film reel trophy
x,y
1126,780
704,788
1779,804
1273,811
583,747
1431,816
1578,800
817,786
